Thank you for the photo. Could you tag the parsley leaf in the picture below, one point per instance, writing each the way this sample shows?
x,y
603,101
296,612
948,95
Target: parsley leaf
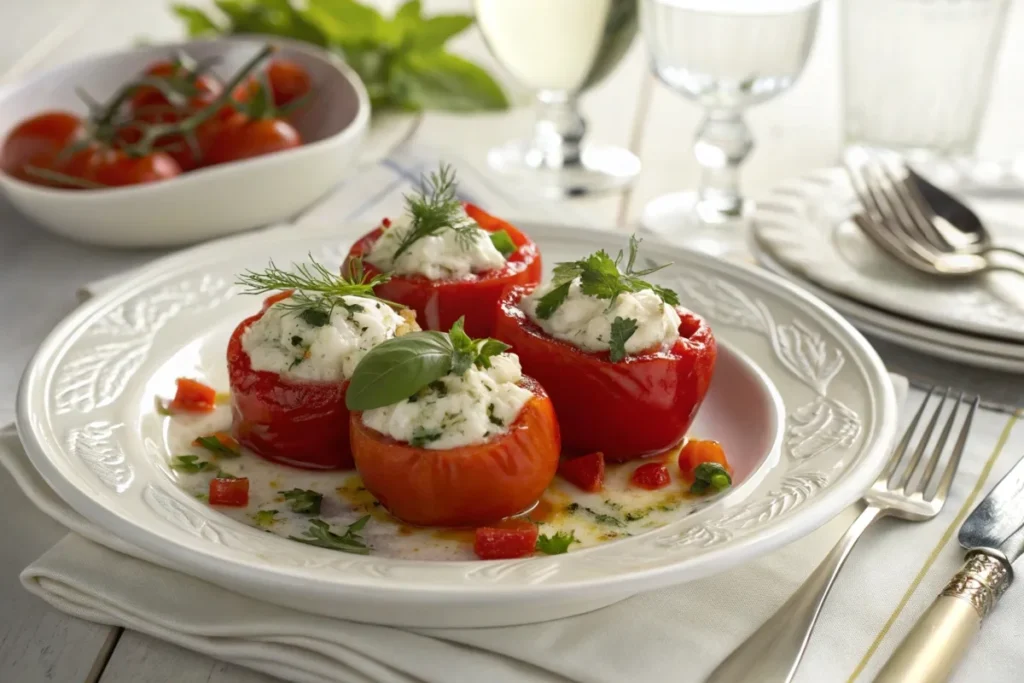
x,y
622,330
710,475
221,474
549,303
494,419
503,243
222,446
421,437
315,317
599,517
265,518
557,544
319,534
303,500
190,464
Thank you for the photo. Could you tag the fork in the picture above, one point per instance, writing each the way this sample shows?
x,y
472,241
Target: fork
x,y
896,218
773,652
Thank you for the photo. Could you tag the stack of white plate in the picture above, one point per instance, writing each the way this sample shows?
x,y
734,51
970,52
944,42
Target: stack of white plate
x,y
802,231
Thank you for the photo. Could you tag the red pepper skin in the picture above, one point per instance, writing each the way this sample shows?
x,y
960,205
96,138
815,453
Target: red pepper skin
x,y
506,542
229,492
465,486
302,423
193,397
651,476
439,303
637,407
586,472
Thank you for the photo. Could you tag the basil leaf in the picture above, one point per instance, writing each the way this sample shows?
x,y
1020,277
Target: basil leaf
x,y
550,302
197,23
503,243
622,330
346,22
398,368
487,349
270,17
433,33
439,80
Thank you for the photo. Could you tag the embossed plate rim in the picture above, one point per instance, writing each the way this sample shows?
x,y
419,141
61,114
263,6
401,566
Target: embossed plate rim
x,y
595,575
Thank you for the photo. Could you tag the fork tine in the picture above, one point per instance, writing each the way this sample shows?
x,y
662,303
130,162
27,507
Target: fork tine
x,y
922,445
901,447
940,446
954,461
911,202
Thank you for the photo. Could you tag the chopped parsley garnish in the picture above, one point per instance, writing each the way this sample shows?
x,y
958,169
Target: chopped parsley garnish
x,y
503,243
600,276
421,437
221,474
599,517
224,447
190,464
435,208
496,421
303,500
265,518
557,544
319,534
439,388
710,476
622,330
296,340
316,290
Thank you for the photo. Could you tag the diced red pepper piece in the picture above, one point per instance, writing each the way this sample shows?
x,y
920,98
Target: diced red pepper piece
x,y
229,492
652,476
697,451
508,540
193,397
586,471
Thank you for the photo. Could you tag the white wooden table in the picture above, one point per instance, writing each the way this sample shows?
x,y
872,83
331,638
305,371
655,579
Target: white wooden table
x,y
38,274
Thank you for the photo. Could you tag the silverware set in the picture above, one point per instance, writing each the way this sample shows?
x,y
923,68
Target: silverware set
x,y
919,224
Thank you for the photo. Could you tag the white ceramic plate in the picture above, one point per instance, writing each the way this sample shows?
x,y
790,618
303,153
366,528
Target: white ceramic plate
x,y
981,352
803,224
209,202
801,402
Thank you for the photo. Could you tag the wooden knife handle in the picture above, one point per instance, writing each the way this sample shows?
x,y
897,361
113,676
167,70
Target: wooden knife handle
x,y
940,638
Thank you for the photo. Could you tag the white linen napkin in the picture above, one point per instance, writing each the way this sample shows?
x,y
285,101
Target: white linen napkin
x,y
678,633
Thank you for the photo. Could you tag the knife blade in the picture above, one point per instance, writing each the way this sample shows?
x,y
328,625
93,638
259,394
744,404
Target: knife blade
x,y
993,535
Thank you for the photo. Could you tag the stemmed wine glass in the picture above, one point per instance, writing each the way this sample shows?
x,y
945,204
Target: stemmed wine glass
x,y
558,49
726,55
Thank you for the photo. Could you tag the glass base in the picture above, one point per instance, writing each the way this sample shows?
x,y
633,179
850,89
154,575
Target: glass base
x,y
601,168
684,219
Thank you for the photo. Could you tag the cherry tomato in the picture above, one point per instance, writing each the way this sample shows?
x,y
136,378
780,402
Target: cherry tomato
x,y
652,476
288,82
515,538
586,472
439,303
464,486
114,168
148,99
639,406
242,138
176,146
229,492
302,423
193,397
36,142
697,451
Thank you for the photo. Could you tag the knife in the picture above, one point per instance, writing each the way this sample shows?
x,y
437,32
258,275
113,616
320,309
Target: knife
x,y
994,537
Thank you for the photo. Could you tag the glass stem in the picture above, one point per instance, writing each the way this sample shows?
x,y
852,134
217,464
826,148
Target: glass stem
x,y
558,132
723,142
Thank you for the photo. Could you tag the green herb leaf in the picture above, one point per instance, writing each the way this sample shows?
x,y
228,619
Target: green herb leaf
x,y
710,475
503,243
197,23
398,368
622,330
599,517
464,347
221,474
421,437
492,418
549,303
190,464
435,208
217,447
315,317
265,518
439,80
320,535
269,17
486,349
161,407
303,501
345,21
431,34
557,544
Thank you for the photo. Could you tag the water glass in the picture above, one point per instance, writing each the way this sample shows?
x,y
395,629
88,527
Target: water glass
x,y
917,73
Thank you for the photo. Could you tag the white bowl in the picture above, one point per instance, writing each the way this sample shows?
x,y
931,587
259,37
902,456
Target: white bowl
x,y
208,202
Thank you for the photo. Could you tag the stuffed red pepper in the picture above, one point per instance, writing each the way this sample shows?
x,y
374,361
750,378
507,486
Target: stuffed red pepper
x,y
626,367
447,259
459,438
289,364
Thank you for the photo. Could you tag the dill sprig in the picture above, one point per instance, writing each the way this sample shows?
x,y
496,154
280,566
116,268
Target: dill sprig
x,y
436,208
316,290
